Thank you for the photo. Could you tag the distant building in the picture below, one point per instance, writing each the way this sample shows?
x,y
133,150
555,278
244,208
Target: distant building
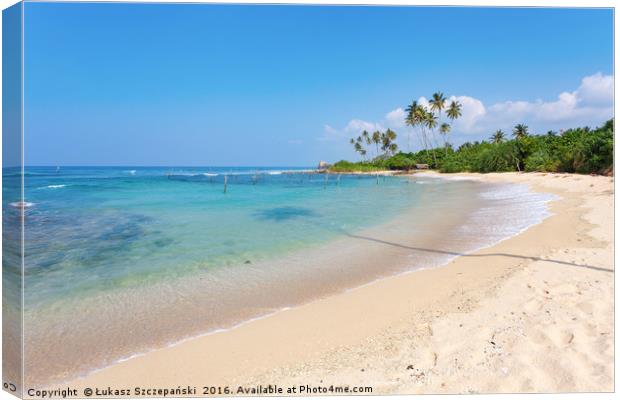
x,y
421,166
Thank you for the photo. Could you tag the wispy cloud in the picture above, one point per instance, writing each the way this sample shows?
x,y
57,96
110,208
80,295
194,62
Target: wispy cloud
x,y
354,127
295,141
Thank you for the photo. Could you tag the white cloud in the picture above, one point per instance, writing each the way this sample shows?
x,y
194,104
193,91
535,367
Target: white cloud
x,y
473,111
395,118
590,104
597,89
353,127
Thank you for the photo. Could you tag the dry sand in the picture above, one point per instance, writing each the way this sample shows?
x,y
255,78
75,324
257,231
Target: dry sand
x,y
533,313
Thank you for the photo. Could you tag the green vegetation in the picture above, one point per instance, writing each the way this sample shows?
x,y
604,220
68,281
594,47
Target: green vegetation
x,y
348,166
579,150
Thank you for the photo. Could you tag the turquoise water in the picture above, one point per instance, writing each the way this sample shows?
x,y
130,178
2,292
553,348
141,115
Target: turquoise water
x,y
122,260
91,229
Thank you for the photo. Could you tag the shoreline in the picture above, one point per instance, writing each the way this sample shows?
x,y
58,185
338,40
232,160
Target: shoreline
x,y
304,338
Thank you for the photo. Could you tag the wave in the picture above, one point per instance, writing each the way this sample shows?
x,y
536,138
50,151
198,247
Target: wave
x,y
52,187
21,204
26,174
241,173
130,172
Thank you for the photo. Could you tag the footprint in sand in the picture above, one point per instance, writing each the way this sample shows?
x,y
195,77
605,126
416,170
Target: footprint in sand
x,y
532,305
538,336
561,338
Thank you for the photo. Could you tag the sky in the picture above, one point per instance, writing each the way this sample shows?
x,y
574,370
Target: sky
x,y
232,85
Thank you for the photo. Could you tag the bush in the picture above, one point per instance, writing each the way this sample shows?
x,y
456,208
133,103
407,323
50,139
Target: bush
x,y
541,161
580,150
347,166
501,157
400,161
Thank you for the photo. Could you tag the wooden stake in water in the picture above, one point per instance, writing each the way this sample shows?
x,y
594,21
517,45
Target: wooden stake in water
x,y
338,180
377,175
325,184
225,183
254,179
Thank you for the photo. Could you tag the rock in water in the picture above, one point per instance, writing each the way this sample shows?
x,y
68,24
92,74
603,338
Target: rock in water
x,y
324,165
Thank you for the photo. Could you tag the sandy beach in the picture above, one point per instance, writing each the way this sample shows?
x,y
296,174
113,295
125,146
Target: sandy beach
x,y
533,313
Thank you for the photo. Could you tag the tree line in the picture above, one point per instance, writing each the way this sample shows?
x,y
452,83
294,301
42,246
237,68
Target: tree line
x,y
579,150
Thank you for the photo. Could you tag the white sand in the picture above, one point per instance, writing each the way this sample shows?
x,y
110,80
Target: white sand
x,y
531,314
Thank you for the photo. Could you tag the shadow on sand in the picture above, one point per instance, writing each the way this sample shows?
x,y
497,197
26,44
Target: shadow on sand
x,y
454,253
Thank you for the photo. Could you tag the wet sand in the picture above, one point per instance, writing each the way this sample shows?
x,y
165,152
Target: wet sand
x,y
533,313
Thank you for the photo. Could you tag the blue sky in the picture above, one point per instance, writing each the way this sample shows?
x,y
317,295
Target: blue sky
x,y
138,84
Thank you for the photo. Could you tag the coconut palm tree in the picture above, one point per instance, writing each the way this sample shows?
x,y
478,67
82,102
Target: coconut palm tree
x,y
520,131
390,135
358,147
366,137
387,139
444,129
437,103
376,139
412,120
498,136
410,116
421,114
430,121
454,112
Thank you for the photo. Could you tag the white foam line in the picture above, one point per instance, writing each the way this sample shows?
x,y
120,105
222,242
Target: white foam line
x,y
286,308
176,343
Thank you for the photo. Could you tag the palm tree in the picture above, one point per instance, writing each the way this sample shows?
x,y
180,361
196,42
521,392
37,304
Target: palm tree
x,y
411,119
438,103
444,129
430,120
411,110
420,117
387,140
358,147
390,135
376,139
520,131
454,110
498,136
366,137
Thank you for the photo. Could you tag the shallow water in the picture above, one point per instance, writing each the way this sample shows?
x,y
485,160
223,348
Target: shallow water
x,y
122,260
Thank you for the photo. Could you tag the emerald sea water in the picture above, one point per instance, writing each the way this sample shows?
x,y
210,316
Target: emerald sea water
x,y
121,260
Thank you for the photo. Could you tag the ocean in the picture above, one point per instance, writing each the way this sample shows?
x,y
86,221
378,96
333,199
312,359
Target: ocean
x,y
122,260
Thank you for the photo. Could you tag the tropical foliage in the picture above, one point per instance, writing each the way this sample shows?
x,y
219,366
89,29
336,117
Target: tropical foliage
x,y
384,141
579,150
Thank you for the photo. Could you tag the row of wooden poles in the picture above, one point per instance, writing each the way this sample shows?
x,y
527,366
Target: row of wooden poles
x,y
255,180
